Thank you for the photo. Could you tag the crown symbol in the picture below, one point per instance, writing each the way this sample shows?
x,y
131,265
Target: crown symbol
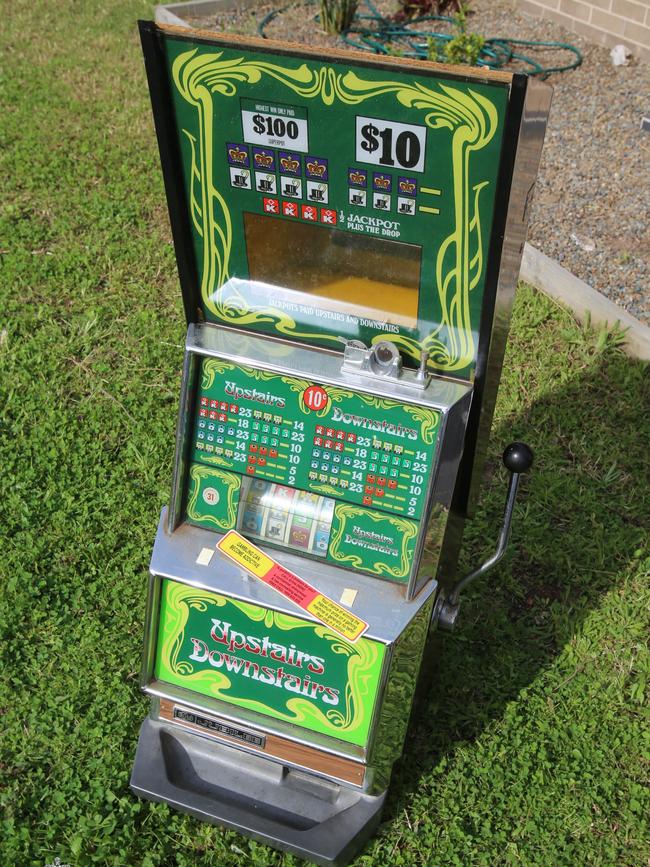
x,y
289,164
382,183
316,169
237,155
357,178
263,159
407,186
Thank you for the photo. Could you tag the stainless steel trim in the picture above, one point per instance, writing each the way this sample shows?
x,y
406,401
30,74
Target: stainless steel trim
x,y
448,455
183,425
267,725
431,499
450,549
381,604
394,712
429,562
150,630
275,356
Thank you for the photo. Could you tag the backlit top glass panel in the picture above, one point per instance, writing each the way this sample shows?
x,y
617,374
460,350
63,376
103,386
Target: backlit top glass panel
x,y
330,200
355,276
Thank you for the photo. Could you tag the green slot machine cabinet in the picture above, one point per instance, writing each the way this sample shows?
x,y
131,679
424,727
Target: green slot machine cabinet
x,y
348,232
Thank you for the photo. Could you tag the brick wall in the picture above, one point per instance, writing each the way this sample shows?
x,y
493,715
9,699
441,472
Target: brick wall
x,y
607,22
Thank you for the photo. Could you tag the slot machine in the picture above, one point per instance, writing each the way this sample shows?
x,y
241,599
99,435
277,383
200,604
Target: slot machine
x,y
348,232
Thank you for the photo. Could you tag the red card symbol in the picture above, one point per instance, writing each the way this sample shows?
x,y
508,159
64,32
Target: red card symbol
x,y
327,215
309,213
290,209
271,206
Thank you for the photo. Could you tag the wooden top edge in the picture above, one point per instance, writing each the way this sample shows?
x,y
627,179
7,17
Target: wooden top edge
x,y
467,73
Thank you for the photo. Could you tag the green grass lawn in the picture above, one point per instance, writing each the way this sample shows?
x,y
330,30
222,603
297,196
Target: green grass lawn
x,y
531,746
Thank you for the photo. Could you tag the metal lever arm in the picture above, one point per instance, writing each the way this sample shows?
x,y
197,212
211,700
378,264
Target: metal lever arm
x,y
518,458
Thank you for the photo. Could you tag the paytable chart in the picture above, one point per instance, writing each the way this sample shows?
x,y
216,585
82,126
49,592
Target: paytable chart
x,y
365,449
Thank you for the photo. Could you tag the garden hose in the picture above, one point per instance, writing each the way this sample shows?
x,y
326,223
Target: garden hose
x,y
370,31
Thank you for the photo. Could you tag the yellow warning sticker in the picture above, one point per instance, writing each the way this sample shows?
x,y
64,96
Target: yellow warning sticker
x,y
245,555
337,618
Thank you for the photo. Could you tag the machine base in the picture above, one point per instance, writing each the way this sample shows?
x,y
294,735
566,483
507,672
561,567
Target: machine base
x,y
293,810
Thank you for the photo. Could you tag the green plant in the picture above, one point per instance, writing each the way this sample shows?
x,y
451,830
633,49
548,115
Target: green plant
x,y
464,47
337,15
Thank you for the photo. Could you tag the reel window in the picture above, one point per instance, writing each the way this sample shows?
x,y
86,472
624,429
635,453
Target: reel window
x,y
358,275
285,517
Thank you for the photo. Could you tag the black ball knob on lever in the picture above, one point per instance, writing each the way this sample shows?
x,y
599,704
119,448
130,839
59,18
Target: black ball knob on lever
x,y
518,459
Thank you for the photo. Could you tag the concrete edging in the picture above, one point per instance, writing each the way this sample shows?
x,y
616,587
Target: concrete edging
x,y
166,12
553,280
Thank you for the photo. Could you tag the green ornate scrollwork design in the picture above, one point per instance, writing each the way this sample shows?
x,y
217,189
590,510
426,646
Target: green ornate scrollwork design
x,y
336,395
428,419
362,656
326,490
406,530
178,599
212,367
363,666
229,484
472,121
217,460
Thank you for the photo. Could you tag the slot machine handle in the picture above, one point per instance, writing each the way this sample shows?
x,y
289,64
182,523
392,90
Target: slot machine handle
x,y
518,459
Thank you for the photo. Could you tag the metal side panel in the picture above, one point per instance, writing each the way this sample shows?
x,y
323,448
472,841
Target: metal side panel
x,y
393,711
320,821
183,434
431,546
534,117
